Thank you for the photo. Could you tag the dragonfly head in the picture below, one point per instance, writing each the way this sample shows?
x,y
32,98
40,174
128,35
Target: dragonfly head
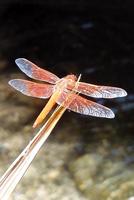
x,y
70,78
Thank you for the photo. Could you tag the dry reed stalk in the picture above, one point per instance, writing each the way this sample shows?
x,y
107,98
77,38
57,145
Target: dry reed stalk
x,y
18,168
16,171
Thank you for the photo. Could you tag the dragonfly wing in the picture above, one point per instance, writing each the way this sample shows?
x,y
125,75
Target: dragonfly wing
x,y
86,107
35,72
30,88
100,91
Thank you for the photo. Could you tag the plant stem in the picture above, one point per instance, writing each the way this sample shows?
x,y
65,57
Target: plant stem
x,y
16,171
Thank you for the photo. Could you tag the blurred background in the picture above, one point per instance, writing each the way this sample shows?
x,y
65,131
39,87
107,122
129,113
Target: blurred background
x,y
85,158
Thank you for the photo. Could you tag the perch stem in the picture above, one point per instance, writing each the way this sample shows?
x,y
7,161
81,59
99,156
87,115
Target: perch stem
x,y
16,171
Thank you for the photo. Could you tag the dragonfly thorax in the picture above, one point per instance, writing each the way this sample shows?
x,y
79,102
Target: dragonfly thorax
x,y
64,82
61,85
70,80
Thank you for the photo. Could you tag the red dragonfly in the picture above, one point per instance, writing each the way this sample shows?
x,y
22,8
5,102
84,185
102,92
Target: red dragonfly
x,y
58,89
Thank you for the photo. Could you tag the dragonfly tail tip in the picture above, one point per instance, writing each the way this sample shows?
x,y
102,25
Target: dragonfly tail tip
x,y
35,124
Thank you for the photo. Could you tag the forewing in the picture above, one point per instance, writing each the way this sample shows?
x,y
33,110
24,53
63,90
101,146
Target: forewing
x,y
35,72
30,88
100,91
86,107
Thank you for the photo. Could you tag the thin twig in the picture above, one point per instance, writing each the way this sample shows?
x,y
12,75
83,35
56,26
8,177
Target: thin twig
x,y
16,171
18,168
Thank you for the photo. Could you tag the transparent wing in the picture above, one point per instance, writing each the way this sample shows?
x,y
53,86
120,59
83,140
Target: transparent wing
x,y
30,88
100,91
86,107
35,72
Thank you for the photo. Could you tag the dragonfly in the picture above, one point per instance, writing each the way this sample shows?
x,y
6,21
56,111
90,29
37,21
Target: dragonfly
x,y
57,90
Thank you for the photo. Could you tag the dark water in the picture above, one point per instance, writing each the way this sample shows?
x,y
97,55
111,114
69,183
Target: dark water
x,y
98,42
